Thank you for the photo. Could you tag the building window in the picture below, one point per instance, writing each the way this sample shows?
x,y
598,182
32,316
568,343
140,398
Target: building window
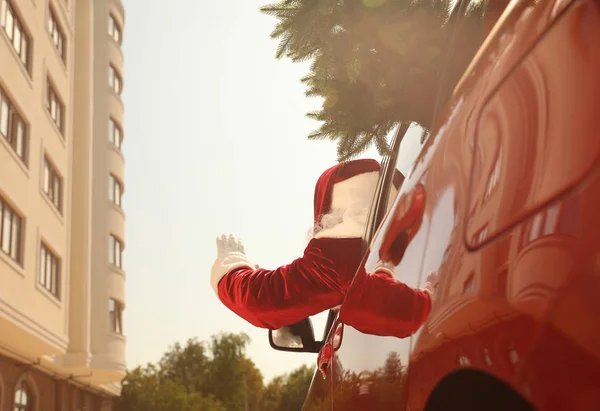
x,y
55,106
13,127
481,235
49,271
14,29
23,400
11,226
115,190
52,184
494,176
115,133
556,219
115,251
114,79
114,29
115,315
57,34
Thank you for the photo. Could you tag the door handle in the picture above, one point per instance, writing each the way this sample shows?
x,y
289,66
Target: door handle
x,y
324,358
327,351
338,335
405,223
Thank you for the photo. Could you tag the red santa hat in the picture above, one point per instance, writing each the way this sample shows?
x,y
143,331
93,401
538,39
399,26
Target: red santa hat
x,y
345,184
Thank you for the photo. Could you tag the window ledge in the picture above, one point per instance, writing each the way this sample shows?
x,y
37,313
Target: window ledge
x,y
116,44
119,5
117,336
17,268
115,94
53,299
116,150
15,155
58,132
17,58
116,269
117,208
52,206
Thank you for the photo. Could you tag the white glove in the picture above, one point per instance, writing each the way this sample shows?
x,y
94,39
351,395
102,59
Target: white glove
x,y
431,283
229,244
230,255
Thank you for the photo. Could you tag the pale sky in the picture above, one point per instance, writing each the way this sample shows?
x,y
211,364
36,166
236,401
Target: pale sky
x,y
215,142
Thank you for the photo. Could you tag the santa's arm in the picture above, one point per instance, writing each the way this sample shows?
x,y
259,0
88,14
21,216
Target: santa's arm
x,y
378,304
276,298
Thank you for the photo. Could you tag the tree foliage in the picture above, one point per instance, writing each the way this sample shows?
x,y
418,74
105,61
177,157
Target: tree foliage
x,y
375,63
292,389
218,376
211,376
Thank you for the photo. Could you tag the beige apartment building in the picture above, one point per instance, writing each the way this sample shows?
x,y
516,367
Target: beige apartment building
x,y
62,287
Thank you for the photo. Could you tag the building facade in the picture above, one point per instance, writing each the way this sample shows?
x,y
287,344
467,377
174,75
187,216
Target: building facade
x,y
62,284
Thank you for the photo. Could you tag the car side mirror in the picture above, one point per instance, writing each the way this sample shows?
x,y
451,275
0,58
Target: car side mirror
x,y
298,337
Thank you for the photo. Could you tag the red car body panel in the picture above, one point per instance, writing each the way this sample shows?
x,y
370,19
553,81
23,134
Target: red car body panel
x,y
511,225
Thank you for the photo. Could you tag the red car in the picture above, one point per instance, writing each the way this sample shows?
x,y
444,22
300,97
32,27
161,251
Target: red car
x,y
511,223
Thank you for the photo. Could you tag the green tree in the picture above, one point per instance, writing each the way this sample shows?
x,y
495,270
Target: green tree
x,y
375,63
295,388
213,376
147,389
228,380
271,396
187,366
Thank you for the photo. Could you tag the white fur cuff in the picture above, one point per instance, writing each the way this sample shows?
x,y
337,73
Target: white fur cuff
x,y
429,289
225,264
385,267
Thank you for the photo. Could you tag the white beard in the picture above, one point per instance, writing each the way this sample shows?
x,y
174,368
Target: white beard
x,y
346,222
341,223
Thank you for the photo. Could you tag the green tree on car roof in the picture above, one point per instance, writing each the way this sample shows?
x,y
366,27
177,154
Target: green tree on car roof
x,y
375,63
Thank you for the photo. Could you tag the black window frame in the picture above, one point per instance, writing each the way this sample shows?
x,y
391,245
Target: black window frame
x,y
115,186
25,57
52,96
116,28
14,116
114,128
50,270
51,172
115,315
115,251
15,215
117,78
57,33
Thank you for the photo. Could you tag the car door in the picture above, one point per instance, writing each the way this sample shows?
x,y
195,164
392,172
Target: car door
x,y
368,371
319,396
499,232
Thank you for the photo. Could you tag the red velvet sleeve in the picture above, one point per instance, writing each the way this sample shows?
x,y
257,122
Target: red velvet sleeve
x,y
309,285
379,305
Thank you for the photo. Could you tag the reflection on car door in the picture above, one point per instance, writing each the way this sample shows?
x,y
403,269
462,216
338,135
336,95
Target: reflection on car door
x,y
373,369
368,370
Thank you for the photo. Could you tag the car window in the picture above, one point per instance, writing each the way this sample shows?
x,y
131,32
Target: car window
x,y
410,147
408,152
